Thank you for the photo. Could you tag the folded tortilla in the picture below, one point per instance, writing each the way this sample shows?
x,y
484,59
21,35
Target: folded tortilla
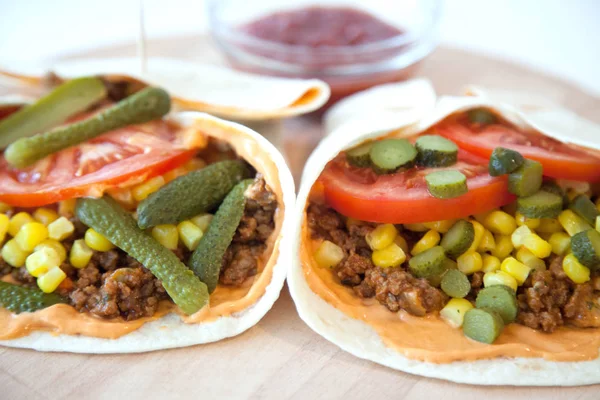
x,y
194,86
212,323
354,333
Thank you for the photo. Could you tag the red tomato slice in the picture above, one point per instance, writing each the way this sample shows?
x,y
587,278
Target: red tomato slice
x,y
560,161
403,197
122,157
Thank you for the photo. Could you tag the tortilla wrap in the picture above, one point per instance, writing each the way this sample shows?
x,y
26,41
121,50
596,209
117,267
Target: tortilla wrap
x,y
171,330
199,87
357,336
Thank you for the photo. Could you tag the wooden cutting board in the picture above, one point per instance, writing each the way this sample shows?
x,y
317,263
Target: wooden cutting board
x,y
281,357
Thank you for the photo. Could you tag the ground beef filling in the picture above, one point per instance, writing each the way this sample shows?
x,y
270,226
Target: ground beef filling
x,y
547,300
115,285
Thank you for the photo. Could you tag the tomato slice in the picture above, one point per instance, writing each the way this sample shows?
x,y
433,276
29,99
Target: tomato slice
x,y
122,157
559,160
403,197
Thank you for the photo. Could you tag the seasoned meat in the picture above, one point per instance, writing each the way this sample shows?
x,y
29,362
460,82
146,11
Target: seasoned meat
x,y
107,260
583,307
241,263
351,270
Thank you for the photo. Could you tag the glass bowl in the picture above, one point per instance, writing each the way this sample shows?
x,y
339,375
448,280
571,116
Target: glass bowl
x,y
347,68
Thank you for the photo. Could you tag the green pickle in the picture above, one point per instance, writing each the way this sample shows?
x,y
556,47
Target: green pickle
x,y
207,259
110,220
527,179
436,151
146,105
455,284
429,263
446,184
482,325
585,208
388,155
481,116
500,299
552,187
20,299
504,161
189,195
458,239
540,205
359,156
585,246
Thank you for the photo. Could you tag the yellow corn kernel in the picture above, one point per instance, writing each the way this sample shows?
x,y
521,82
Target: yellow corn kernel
x,y
189,234
51,279
96,241
572,223
516,269
560,243
391,256
429,240
518,236
81,254
490,263
194,164
577,272
4,224
166,235
31,234
454,312
17,221
381,237
54,245
529,259
4,208
174,174
479,231
328,254
549,225
143,190
531,223
469,262
416,227
598,223
66,208
41,261
487,242
45,215
202,221
401,242
124,197
60,229
537,246
503,248
442,226
13,254
499,278
500,222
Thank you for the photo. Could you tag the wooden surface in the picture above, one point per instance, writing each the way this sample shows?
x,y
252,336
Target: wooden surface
x,y
281,357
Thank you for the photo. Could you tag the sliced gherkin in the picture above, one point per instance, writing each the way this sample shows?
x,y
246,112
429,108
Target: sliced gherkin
x,y
20,299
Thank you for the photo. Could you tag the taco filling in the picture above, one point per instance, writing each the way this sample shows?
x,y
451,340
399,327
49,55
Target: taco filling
x,y
111,214
474,239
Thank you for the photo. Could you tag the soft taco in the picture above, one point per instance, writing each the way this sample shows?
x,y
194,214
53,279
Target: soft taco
x,y
463,246
126,228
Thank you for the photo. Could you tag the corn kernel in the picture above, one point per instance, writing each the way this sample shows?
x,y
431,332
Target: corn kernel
x,y
96,241
487,242
454,312
81,254
13,254
174,174
549,225
143,190
66,208
416,227
516,269
51,279
30,235
60,229
442,226
429,240
41,261
329,254
189,234
202,221
194,164
478,236
4,208
598,223
381,237
4,223
401,242
577,272
54,245
560,243
518,236
500,222
166,235
17,221
531,223
469,262
537,246
572,223
124,197
503,248
391,256
529,259
490,263
499,278
45,215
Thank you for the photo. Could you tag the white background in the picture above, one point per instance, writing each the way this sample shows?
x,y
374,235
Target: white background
x,y
557,36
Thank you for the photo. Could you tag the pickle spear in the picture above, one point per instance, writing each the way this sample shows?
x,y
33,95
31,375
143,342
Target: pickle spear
x,y
20,299
207,259
194,193
108,218
146,105
63,102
